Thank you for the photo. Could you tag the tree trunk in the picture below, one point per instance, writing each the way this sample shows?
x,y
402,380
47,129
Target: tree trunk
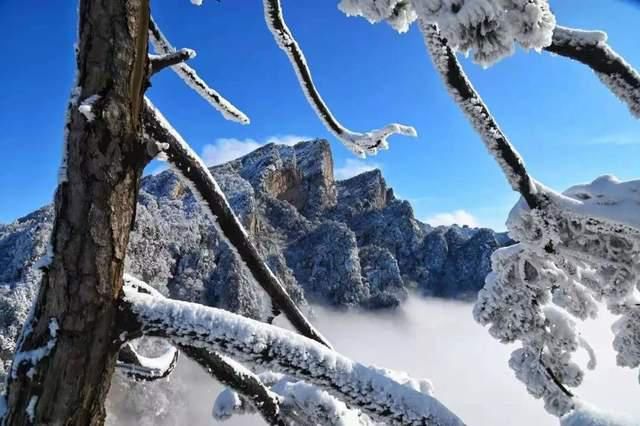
x,y
66,354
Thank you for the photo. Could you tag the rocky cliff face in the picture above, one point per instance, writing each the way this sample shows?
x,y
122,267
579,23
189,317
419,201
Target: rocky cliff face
x,y
343,243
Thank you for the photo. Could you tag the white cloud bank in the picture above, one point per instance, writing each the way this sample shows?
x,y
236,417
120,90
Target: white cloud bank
x,y
459,217
227,149
353,167
429,339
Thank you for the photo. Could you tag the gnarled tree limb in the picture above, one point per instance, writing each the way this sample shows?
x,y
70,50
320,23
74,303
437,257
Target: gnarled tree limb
x,y
591,49
360,143
187,163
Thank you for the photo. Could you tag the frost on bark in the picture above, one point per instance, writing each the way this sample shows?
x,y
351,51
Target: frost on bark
x,y
66,352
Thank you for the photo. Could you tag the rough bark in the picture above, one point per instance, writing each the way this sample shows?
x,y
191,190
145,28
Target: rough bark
x,y
95,207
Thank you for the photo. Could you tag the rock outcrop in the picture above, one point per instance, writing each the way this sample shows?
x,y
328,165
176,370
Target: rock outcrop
x,y
342,243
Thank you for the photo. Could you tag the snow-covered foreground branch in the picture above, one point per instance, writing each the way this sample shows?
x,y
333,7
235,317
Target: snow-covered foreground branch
x,y
261,345
207,190
583,247
360,143
192,79
463,93
591,49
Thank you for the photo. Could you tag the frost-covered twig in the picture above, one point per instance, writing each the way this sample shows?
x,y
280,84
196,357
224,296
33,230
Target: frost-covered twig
x,y
360,143
193,80
471,103
591,49
266,346
159,62
140,367
204,186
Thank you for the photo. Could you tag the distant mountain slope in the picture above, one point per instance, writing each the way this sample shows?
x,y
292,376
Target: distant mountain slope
x,y
342,243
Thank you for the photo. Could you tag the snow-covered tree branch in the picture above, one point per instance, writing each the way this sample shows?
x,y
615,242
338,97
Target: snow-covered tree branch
x,y
581,248
300,403
192,79
359,143
261,345
464,94
591,48
204,186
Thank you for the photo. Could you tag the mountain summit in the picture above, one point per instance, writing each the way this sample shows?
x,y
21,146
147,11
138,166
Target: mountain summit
x,y
342,243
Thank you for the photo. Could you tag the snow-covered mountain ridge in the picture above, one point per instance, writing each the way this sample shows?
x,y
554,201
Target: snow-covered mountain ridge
x,y
342,243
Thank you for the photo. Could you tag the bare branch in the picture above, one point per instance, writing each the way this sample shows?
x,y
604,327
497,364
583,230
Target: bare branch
x,y
371,390
473,106
193,80
360,143
159,62
591,49
189,165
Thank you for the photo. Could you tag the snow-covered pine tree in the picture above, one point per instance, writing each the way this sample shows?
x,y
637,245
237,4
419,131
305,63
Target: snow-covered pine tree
x,y
572,247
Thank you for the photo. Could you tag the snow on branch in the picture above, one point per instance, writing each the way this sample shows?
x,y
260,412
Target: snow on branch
x,y
139,367
487,29
359,143
583,247
192,79
464,94
591,49
266,346
300,403
159,62
206,189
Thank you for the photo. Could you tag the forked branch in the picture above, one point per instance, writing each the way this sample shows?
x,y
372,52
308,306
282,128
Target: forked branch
x,y
360,143
196,174
193,80
591,49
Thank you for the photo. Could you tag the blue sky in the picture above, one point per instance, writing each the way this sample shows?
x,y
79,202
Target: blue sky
x,y
567,126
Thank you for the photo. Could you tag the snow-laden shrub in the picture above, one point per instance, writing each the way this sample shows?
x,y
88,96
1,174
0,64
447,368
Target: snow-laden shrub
x,y
583,247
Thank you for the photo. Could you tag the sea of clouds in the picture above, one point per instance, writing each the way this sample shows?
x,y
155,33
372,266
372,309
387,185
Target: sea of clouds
x,y
428,338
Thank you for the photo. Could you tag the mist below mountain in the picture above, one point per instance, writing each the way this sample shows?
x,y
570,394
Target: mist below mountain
x,y
428,338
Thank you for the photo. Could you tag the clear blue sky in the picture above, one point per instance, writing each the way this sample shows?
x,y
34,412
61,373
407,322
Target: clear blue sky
x,y
568,127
